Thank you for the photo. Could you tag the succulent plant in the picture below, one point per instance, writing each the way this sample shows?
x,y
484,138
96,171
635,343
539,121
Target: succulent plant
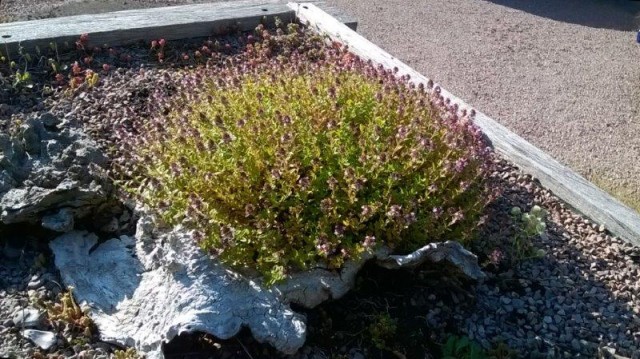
x,y
67,316
128,353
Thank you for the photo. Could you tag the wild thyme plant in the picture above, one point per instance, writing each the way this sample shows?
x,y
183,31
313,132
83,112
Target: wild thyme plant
x,y
295,154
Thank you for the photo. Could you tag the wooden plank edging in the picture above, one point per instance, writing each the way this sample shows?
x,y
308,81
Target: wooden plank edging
x,y
129,26
574,189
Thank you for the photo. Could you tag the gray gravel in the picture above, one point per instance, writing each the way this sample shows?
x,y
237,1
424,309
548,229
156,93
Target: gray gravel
x,y
26,281
579,299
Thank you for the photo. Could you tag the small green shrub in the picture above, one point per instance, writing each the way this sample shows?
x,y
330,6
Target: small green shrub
x,y
296,154
16,74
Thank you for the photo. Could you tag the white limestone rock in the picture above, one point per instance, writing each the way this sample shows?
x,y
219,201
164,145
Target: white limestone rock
x,y
145,291
42,339
28,318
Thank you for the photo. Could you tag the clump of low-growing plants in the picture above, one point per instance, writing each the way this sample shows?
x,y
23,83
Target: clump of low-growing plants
x,y
15,72
128,353
517,244
57,66
382,330
66,317
295,154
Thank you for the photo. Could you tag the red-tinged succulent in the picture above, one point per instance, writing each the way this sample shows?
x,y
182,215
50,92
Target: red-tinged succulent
x,y
60,78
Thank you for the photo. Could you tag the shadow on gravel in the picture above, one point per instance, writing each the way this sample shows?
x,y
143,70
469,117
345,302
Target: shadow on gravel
x,y
575,301
621,15
556,306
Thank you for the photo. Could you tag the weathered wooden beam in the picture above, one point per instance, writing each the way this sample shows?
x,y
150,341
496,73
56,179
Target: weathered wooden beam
x,y
171,23
129,26
562,181
125,27
348,20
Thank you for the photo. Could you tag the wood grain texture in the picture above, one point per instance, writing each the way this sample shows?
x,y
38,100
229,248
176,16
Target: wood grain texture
x,y
129,26
171,23
574,189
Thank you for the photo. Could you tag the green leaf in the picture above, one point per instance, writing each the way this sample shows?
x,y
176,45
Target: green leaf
x,y
476,352
449,348
463,343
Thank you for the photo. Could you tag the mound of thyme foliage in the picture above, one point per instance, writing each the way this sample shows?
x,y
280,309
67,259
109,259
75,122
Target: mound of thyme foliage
x,y
296,154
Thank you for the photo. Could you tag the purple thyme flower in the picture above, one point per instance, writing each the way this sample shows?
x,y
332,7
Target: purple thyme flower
x,y
460,165
394,211
366,211
326,205
457,217
359,184
304,182
332,182
249,210
402,132
369,241
410,218
496,257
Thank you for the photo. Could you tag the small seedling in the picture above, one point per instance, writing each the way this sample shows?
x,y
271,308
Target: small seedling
x,y
128,353
68,314
529,224
22,80
462,348
383,330
91,78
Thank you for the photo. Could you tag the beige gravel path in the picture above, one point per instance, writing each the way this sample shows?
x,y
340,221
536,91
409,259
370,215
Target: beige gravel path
x,y
565,75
